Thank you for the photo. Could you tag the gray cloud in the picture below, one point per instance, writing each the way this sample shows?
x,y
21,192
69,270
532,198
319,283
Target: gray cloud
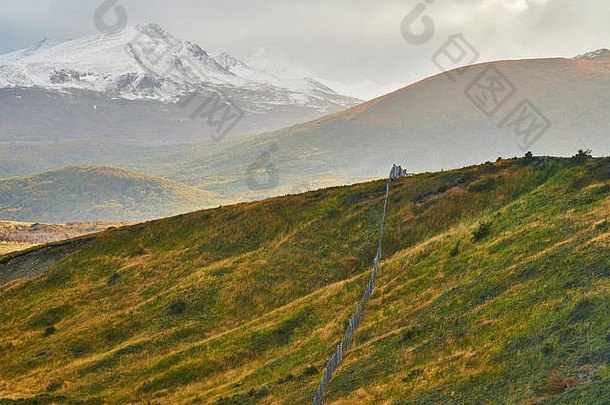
x,y
354,45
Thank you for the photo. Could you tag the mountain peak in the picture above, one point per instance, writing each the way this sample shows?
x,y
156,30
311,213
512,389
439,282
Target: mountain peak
x,y
153,29
145,61
600,54
150,25
229,62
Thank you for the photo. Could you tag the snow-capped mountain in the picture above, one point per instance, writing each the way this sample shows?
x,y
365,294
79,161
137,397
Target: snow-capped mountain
x,y
142,84
147,62
601,54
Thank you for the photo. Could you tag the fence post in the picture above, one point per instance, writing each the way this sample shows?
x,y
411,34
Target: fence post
x,y
354,322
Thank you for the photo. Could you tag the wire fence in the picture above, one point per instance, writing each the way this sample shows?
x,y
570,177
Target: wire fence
x,y
354,322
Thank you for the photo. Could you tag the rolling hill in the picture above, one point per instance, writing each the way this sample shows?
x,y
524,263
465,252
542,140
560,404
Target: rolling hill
x,y
493,288
430,125
94,193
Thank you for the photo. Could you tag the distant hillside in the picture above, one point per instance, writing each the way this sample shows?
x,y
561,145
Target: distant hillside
x,y
493,289
92,193
430,125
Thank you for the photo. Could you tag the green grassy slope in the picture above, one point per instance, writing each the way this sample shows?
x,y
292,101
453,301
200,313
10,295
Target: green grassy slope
x,y
90,193
244,304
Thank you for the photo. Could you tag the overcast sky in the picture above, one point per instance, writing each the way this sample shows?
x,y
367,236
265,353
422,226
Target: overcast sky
x,y
355,46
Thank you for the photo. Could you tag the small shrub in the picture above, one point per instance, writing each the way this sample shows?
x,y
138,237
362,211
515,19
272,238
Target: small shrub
x,y
407,336
582,156
79,349
113,280
332,213
557,385
482,231
250,397
138,252
455,250
604,189
580,181
548,349
49,317
286,379
55,385
177,307
486,184
413,373
310,370
49,331
602,226
584,310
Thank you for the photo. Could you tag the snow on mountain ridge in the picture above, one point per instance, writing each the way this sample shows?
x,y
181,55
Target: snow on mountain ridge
x,y
21,53
242,69
600,54
147,62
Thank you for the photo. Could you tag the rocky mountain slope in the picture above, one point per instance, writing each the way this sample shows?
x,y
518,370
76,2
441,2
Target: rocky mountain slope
x,y
147,78
147,62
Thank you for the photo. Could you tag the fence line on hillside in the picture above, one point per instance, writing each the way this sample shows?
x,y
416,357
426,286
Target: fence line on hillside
x,y
354,322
